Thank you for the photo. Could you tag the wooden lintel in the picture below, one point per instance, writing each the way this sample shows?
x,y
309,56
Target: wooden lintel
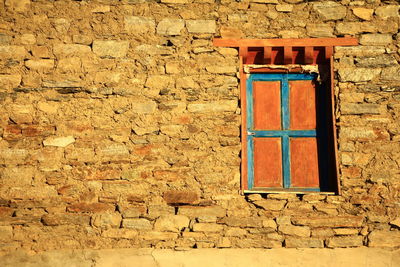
x,y
343,41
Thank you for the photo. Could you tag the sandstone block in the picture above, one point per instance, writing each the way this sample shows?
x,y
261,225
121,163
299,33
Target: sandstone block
x,y
322,232
207,227
283,220
352,108
13,155
67,50
221,69
6,233
61,141
376,39
358,51
170,27
65,219
6,211
82,39
106,220
181,197
113,151
346,231
300,231
139,224
213,106
40,65
8,81
270,204
71,64
291,242
319,30
236,231
155,211
13,52
146,107
363,133
175,1
186,82
135,24
159,82
120,233
363,13
329,10
202,211
283,196
270,223
313,198
18,5
154,235
284,8
389,11
91,207
355,27
358,74
391,74
395,222
201,26
110,48
329,221
28,39
171,223
154,50
378,61
382,238
231,32
242,221
101,9
345,241
40,52
133,212
17,176
265,1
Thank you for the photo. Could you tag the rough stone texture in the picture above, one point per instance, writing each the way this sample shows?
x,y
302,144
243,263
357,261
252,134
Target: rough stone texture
x,y
181,197
375,39
59,141
120,128
390,239
139,25
329,10
170,26
110,48
358,74
363,13
201,26
345,241
390,11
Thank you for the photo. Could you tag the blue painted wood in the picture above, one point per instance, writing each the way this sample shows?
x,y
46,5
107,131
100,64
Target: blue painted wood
x,y
302,76
285,134
277,133
286,161
249,102
285,103
250,162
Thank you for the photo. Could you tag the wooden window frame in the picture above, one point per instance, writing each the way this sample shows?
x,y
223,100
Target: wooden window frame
x,y
286,56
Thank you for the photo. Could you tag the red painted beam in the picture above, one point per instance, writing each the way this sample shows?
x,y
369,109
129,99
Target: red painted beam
x,y
343,41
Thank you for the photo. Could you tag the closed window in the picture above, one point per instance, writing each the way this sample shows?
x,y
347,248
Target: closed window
x,y
288,133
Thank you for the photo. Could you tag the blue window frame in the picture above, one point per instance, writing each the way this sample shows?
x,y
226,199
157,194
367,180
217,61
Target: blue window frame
x,y
284,134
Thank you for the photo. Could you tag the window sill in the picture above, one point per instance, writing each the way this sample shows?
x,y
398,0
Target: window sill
x,y
286,192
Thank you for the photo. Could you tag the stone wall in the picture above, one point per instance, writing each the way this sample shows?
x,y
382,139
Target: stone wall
x,y
120,126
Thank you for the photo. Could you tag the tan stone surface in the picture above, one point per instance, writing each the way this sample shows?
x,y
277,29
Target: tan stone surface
x,y
357,257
